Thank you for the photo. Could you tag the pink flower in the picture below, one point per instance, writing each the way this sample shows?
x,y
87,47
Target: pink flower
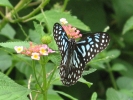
x,y
50,50
43,51
72,32
35,51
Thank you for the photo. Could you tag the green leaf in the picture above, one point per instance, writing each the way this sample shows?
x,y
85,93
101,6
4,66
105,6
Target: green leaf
x,y
119,67
9,90
49,67
123,10
53,58
128,25
97,64
125,83
129,67
6,3
128,93
115,95
56,78
8,31
67,95
34,36
24,68
91,70
112,94
94,96
53,45
113,53
39,28
5,62
85,82
53,95
51,17
11,45
128,40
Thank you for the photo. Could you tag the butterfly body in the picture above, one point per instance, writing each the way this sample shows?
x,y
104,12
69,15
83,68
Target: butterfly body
x,y
75,55
67,59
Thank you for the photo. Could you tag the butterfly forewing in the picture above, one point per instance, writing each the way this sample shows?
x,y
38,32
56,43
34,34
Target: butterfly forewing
x,y
60,38
92,45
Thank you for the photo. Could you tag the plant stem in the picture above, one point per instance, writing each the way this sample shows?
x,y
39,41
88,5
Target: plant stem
x,y
10,69
27,37
18,7
9,15
34,71
51,76
111,76
44,60
65,4
46,21
44,2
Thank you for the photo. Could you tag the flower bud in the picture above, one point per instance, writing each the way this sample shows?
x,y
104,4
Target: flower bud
x,y
46,39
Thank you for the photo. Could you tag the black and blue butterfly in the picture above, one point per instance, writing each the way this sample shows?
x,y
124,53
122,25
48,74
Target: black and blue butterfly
x,y
75,55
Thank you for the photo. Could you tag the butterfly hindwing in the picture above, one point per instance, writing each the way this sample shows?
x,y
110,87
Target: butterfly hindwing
x,y
75,71
60,38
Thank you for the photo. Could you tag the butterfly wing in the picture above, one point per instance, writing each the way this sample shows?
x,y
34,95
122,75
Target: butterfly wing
x,y
75,70
60,38
85,50
92,45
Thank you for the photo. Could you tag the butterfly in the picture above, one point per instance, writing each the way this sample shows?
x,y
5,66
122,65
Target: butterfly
x,y
75,55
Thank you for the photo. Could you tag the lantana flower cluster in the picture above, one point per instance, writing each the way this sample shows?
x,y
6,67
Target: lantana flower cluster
x,y
34,51
71,31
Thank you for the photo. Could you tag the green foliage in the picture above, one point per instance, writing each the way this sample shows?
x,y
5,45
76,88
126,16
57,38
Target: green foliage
x,y
111,72
50,17
69,96
113,53
116,95
85,82
118,67
94,96
6,3
91,70
5,57
9,34
11,45
11,90
53,94
128,25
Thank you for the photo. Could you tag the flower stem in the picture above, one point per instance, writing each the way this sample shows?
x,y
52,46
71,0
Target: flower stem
x,y
111,76
44,60
51,76
34,71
